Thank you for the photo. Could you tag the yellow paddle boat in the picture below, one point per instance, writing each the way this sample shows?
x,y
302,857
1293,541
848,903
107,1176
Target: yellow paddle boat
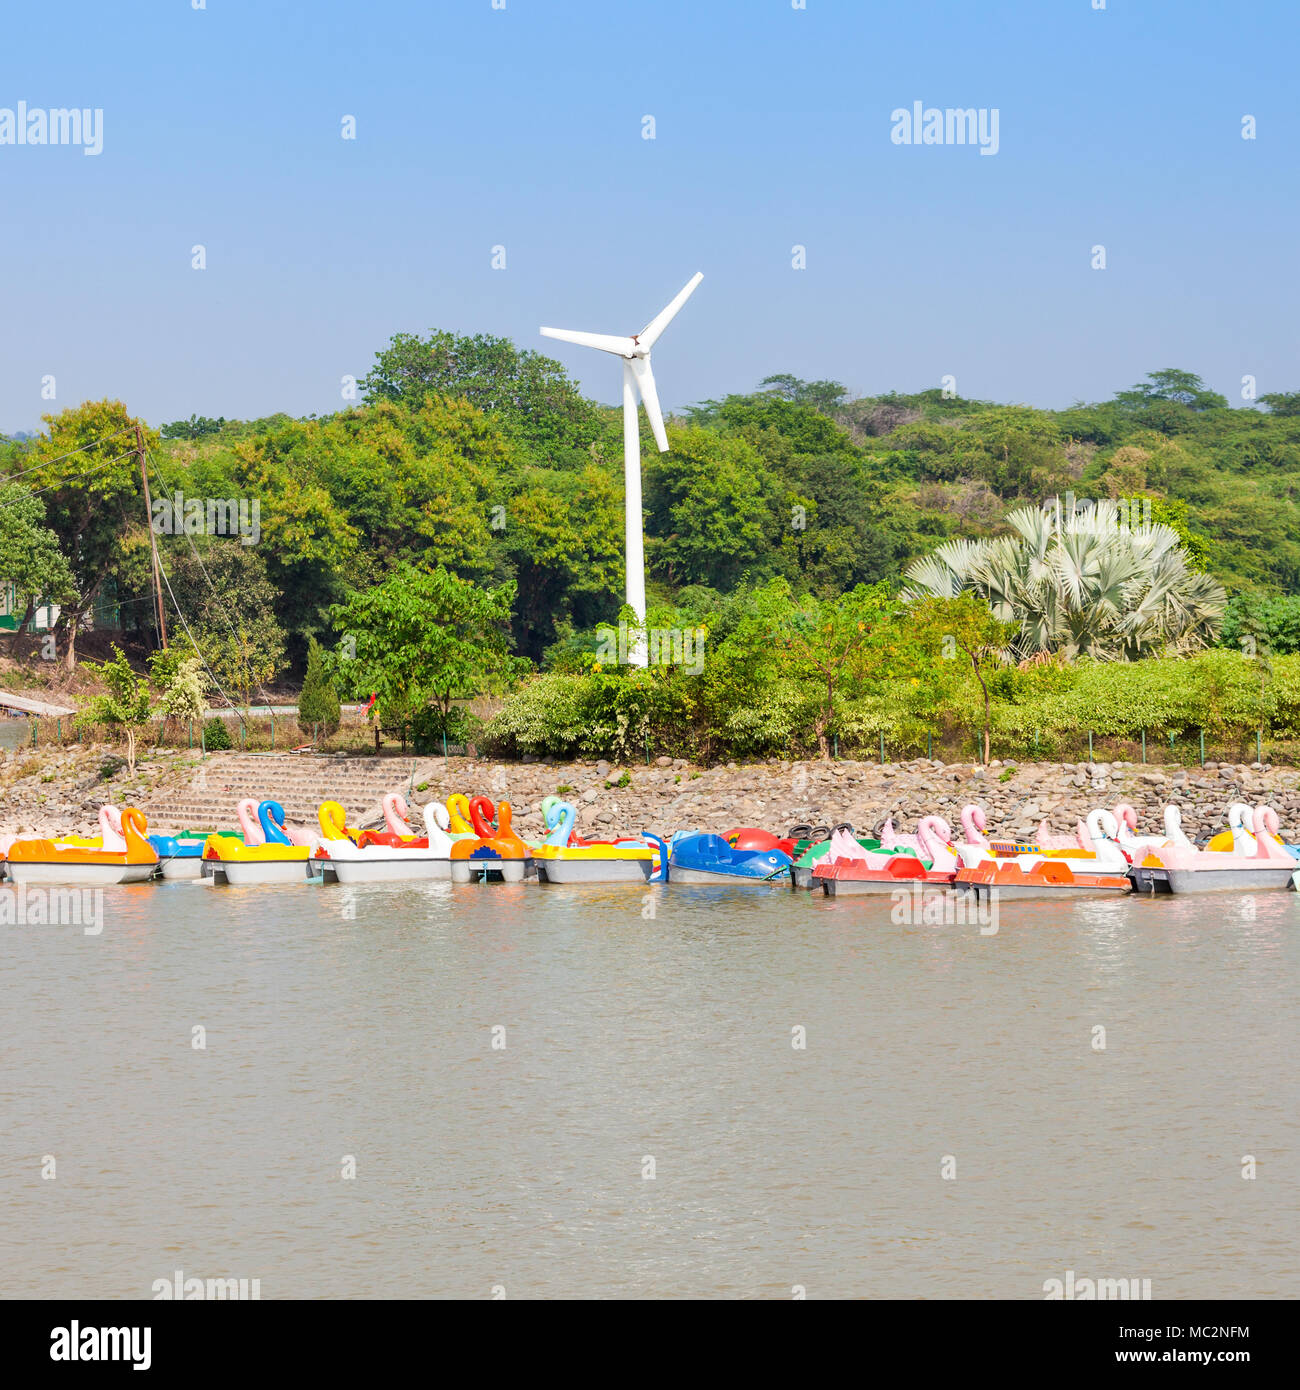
x,y
276,860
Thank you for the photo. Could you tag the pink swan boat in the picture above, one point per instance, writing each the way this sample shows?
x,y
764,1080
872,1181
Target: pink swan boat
x,y
247,812
1037,872
1189,870
110,835
889,841
848,869
397,829
1136,845
1103,854
1046,838
249,824
973,824
377,856
1239,837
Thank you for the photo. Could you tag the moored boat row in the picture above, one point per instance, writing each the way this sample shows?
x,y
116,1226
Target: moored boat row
x,y
470,840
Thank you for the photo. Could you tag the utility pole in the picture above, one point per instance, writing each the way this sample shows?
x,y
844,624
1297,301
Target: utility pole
x,y
153,539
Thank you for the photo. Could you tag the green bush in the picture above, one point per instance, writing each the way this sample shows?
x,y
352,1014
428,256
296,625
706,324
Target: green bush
x,y
216,737
598,715
428,728
1045,710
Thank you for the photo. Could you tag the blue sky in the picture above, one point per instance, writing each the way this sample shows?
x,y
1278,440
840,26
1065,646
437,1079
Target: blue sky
x,y
522,127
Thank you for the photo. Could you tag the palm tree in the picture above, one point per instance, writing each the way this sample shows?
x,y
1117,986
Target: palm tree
x,y
1082,585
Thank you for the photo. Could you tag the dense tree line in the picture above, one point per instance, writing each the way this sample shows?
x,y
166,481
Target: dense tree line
x,y
471,458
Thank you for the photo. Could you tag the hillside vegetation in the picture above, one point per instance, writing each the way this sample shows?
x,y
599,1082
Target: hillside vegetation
x,y
780,528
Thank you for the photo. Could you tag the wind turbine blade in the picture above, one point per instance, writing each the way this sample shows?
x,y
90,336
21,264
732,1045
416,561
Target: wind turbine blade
x,y
645,380
649,335
606,342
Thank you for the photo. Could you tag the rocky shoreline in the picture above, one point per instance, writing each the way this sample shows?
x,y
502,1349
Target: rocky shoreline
x,y
1015,797
60,789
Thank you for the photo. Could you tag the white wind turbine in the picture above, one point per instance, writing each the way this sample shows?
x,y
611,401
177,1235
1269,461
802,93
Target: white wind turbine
x,y
637,376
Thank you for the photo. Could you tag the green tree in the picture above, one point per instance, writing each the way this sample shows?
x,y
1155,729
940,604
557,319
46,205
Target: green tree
x,y
1081,585
423,638
830,647
562,537
318,705
823,396
222,589
1255,621
965,627
707,518
30,558
87,471
1170,384
123,706
216,737
180,682
1285,404
530,391
1019,454
194,428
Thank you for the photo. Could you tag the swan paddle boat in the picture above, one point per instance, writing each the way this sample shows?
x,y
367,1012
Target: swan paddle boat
x,y
389,855
1031,871
1045,838
849,869
264,852
493,851
459,821
810,852
110,832
1135,845
89,862
562,857
1189,870
1239,837
694,858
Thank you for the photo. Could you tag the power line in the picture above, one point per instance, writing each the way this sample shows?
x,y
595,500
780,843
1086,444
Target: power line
x,y
216,593
36,492
45,463
197,649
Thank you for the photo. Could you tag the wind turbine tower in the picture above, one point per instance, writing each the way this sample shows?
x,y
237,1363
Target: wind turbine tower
x,y
637,377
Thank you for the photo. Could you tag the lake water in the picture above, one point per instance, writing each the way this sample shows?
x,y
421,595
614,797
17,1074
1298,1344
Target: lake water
x,y
360,1022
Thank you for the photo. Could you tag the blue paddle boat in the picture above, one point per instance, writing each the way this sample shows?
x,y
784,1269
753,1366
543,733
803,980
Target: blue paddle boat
x,y
710,859
180,856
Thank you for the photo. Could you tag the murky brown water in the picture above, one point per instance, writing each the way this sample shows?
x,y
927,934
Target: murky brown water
x,y
360,1022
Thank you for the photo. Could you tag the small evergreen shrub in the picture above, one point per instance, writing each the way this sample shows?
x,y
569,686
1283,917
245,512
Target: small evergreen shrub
x,y
216,737
318,705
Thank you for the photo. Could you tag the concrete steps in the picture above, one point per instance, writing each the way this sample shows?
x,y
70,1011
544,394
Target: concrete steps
x,y
299,782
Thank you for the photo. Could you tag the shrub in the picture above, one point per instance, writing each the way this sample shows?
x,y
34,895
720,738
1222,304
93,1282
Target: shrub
x,y
430,726
216,737
319,702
